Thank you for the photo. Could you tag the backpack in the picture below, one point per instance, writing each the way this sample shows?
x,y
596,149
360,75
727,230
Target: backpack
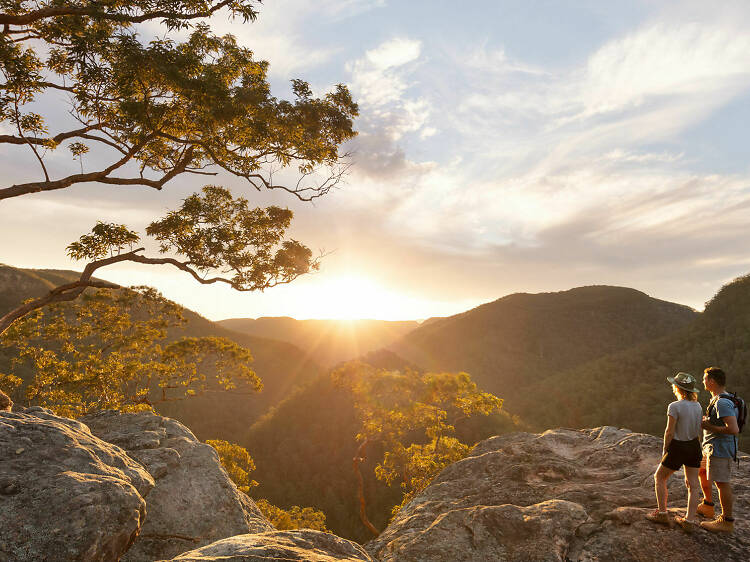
x,y
741,407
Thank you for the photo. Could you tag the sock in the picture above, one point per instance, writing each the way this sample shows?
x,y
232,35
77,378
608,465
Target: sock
x,y
706,502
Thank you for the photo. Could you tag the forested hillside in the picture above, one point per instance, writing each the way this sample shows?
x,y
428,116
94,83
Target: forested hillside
x,y
280,365
326,341
303,450
629,389
508,344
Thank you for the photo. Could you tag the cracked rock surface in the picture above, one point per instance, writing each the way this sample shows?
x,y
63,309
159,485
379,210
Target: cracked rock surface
x,y
563,495
194,503
302,545
64,493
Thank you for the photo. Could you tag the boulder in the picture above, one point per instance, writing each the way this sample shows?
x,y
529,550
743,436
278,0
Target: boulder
x,y
303,545
578,495
65,494
194,503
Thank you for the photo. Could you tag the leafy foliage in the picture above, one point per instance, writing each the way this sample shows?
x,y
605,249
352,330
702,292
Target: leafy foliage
x,y
105,239
295,517
238,464
108,352
216,231
395,408
170,107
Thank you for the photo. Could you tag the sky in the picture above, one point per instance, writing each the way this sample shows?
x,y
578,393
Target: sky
x,y
504,146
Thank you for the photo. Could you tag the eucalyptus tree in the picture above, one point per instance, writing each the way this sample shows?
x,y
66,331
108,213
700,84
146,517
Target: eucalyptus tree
x,y
141,113
413,416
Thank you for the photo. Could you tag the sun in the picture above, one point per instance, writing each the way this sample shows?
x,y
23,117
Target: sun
x,y
352,296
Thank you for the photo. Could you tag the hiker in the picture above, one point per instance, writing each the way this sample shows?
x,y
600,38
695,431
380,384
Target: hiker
x,y
720,429
6,404
681,448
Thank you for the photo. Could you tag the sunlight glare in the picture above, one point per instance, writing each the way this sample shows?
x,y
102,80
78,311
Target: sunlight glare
x,y
352,296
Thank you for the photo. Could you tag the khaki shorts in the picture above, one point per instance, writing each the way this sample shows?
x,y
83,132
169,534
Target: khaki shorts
x,y
718,469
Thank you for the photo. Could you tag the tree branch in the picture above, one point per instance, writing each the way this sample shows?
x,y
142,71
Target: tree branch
x,y
67,292
95,12
101,176
57,139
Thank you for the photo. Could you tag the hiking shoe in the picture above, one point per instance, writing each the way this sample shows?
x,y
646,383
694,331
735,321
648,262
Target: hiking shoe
x,y
706,510
687,525
661,517
719,525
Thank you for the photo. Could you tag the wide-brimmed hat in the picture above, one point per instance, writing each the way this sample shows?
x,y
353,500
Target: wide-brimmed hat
x,y
685,381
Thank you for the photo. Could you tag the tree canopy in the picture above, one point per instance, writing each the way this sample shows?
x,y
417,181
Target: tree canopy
x,y
413,415
110,351
142,112
167,107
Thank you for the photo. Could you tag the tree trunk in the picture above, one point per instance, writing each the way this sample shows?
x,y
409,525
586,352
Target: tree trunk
x,y
361,457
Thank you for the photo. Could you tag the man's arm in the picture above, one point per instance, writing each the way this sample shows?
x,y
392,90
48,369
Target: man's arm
x,y
730,426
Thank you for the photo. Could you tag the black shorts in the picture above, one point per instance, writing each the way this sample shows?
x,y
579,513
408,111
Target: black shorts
x,y
688,453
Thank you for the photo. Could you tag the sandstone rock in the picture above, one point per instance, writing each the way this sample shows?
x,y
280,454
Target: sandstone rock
x,y
561,495
307,545
64,494
194,502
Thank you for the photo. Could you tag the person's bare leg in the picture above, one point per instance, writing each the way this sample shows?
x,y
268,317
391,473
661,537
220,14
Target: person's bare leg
x,y
693,483
706,487
661,476
726,498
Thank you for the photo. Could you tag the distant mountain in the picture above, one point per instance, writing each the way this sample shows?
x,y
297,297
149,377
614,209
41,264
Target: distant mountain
x,y
508,344
327,342
280,365
629,388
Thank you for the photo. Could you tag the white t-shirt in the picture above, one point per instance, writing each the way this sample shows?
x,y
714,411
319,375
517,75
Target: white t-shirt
x,y
689,415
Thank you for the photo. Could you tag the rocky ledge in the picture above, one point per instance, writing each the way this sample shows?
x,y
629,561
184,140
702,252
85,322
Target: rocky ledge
x,y
64,494
194,502
141,487
563,495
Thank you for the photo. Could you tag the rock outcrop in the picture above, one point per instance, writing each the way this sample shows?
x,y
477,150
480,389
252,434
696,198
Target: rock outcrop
x,y
65,494
303,545
561,495
194,502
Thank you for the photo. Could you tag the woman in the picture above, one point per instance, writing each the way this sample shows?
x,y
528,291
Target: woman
x,y
681,448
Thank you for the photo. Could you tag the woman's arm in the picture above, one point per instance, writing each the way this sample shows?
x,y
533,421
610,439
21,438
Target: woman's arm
x,y
669,432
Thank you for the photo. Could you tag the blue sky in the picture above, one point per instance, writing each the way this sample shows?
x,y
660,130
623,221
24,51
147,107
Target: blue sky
x,y
504,147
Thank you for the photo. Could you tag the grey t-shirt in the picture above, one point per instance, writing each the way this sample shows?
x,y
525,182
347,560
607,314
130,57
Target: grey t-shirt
x,y
689,415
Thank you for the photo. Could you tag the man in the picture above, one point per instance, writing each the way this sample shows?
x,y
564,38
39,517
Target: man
x,y
719,448
6,404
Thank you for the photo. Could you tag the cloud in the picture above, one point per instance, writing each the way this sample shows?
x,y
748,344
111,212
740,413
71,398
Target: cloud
x,y
379,77
381,82
665,59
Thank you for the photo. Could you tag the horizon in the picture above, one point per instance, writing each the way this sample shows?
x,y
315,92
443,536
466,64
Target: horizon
x,y
420,320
